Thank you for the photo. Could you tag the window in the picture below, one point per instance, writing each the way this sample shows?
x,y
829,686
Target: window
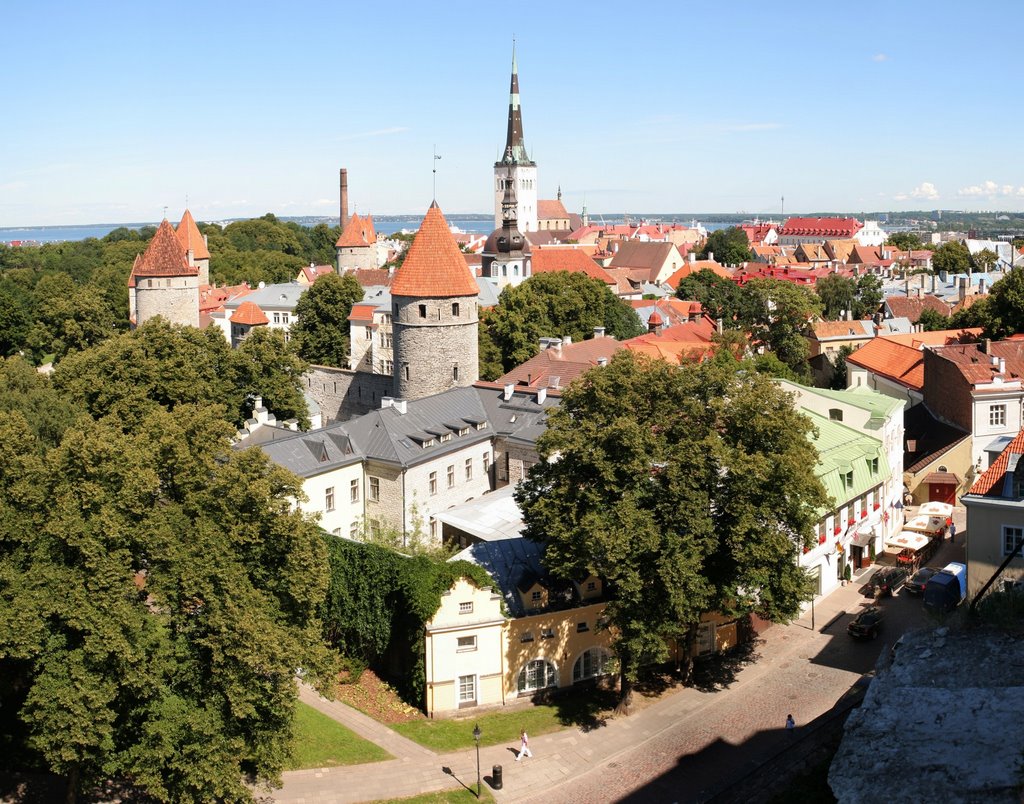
x,y
277,318
284,318
149,283
167,282
433,482
433,529
455,309
535,597
353,491
466,608
592,662
469,468
591,586
455,372
466,644
329,499
582,628
405,367
369,333
848,479
1011,538
389,367
547,633
874,466
451,475
375,488
467,690
835,414
526,637
423,311
487,462
353,530
997,416
537,675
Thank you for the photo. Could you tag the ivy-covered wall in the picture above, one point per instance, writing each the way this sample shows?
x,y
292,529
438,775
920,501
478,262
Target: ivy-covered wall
x,y
378,601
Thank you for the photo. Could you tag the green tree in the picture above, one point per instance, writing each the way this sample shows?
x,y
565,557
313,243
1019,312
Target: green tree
x,y
905,241
15,320
556,304
322,329
932,320
985,259
266,366
952,257
1003,314
490,367
25,391
162,590
718,295
837,294
666,484
869,296
730,246
839,370
776,314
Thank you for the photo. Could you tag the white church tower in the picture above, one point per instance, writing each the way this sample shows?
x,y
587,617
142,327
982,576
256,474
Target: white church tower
x,y
523,169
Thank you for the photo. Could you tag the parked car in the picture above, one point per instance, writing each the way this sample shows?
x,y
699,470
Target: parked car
x,y
866,624
886,581
915,585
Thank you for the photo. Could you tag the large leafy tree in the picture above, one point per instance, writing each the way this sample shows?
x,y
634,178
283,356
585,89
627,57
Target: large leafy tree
x,y
837,294
718,295
905,241
688,489
322,331
158,592
776,314
556,304
730,246
1002,313
869,296
952,257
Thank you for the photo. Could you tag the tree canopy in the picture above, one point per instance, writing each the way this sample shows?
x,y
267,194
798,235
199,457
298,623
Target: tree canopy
x,y
952,257
666,483
718,295
730,246
905,241
776,314
322,329
556,304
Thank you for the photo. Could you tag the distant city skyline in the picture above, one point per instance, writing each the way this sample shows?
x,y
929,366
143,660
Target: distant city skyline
x,y
115,110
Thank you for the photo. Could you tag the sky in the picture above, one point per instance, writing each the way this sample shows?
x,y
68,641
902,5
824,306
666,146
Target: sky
x,y
116,110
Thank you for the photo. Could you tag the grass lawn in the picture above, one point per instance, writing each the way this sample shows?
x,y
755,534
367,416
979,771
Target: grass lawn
x,y
587,709
321,742
441,796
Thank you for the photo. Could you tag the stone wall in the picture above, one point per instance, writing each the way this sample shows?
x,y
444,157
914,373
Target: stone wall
x,y
353,257
435,344
343,394
175,298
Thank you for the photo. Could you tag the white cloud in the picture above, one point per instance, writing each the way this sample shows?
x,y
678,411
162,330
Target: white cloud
x,y
925,190
991,189
880,57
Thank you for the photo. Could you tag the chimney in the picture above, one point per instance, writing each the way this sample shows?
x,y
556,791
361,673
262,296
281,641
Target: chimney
x,y
507,393
933,283
1002,365
692,257
400,405
567,340
908,288
555,344
981,286
598,332
986,346
344,198
849,315
963,288
718,326
711,256
919,292
922,276
602,361
542,394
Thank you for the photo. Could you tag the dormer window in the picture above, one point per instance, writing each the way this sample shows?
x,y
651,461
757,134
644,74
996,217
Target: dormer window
x,y
848,479
874,466
835,414
446,437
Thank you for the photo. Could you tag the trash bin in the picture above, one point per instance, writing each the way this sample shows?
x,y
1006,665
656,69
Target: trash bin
x,y
496,777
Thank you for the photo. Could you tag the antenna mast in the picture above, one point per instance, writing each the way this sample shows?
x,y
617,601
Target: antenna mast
x,y
434,163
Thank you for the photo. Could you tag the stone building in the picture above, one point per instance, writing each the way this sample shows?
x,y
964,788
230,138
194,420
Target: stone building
x,y
357,246
163,283
434,314
194,243
507,254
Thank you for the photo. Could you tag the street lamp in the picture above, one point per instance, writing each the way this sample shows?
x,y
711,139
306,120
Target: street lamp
x,y
476,738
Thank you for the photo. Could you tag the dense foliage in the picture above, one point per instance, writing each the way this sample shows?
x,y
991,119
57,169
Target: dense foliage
x,y
378,601
730,246
667,482
555,305
322,329
861,296
952,257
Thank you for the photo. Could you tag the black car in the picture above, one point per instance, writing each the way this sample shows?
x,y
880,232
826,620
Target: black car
x,y
866,624
886,581
915,585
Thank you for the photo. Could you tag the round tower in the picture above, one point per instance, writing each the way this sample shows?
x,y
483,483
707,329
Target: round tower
x,y
434,314
164,282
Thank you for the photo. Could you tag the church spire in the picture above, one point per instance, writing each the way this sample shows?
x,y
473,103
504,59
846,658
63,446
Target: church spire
x,y
514,144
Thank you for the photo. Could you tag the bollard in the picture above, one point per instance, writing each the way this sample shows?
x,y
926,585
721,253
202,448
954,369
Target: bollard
x,y
496,777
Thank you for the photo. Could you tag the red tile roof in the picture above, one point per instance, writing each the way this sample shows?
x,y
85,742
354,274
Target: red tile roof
x,y
976,365
358,232
820,227
756,232
191,238
362,311
574,260
249,314
213,298
911,307
565,363
370,277
691,341
164,256
895,361
695,266
314,272
551,210
990,484
434,267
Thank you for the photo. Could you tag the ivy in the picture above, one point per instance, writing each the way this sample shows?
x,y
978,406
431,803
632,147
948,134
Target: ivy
x,y
378,601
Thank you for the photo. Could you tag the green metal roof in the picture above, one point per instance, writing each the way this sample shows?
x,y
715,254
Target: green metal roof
x,y
842,451
878,405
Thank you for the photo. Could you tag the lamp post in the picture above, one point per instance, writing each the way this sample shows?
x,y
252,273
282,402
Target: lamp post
x,y
476,738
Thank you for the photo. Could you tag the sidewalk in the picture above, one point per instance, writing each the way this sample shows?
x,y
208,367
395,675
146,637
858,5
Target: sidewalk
x,y
570,754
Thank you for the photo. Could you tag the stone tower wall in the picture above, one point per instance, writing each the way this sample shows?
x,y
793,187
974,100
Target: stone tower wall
x,y
355,257
176,298
428,347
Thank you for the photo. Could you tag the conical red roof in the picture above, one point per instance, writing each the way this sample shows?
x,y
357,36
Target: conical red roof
x,y
358,232
249,313
191,238
434,267
164,256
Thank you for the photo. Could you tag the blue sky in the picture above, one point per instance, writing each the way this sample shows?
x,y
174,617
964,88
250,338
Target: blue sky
x,y
115,110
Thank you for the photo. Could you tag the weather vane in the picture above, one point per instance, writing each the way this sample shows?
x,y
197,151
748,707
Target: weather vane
x,y
434,163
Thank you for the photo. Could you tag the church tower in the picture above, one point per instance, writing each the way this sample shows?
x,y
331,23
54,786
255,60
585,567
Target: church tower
x,y
434,314
506,254
523,169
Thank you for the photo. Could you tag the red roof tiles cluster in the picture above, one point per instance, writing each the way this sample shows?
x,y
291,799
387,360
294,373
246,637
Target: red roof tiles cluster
x,y
434,267
990,484
164,256
311,273
191,238
558,366
689,342
820,227
551,210
358,232
249,314
551,259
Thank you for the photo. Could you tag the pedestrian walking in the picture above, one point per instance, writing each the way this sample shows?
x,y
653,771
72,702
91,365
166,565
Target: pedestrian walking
x,y
524,745
950,527
790,724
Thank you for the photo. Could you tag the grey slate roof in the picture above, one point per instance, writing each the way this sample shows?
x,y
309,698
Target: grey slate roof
x,y
282,296
309,454
508,562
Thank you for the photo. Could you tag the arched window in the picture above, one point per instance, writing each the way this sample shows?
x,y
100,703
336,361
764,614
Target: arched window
x,y
537,675
592,662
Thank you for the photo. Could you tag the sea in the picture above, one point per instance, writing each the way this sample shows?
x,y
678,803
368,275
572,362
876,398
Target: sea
x,y
389,224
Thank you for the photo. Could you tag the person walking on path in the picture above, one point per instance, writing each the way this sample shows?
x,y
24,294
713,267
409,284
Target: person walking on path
x,y
952,532
524,745
790,724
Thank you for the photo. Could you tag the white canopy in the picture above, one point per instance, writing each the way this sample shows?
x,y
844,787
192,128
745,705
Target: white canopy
x,y
924,523
936,509
915,541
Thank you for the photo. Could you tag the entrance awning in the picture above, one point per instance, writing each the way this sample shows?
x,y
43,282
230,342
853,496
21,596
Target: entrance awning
x,y
863,537
943,478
